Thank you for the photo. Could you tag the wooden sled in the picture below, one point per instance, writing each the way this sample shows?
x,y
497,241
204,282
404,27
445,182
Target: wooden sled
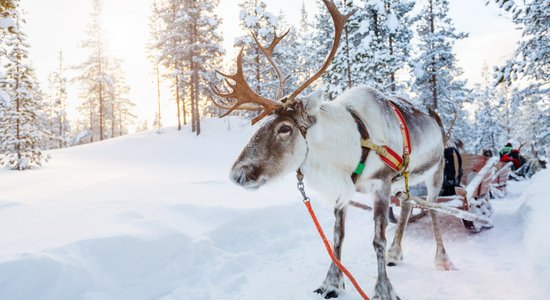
x,y
484,178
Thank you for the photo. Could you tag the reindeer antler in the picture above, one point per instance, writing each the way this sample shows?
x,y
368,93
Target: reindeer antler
x,y
247,99
339,20
268,52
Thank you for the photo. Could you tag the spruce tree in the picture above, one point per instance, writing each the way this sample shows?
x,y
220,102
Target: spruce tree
x,y
58,122
435,67
528,70
257,20
103,86
22,119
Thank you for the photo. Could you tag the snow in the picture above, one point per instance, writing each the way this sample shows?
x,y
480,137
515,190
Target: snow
x,y
7,22
392,23
154,216
4,98
250,21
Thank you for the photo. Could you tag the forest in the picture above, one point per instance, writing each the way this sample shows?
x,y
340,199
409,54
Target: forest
x,y
400,47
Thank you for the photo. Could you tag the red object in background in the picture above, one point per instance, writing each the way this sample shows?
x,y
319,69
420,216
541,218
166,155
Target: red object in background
x,y
507,158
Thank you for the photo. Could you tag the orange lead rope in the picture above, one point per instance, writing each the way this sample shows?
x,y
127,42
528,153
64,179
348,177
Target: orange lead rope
x,y
387,155
335,260
331,253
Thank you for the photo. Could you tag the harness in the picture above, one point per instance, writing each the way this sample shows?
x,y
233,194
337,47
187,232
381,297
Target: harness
x,y
392,159
386,154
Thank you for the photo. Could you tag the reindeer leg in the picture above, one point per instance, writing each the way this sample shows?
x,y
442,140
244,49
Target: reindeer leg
x,y
334,279
442,260
395,253
383,289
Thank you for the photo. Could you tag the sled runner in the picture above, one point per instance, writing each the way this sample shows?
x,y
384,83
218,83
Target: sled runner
x,y
483,178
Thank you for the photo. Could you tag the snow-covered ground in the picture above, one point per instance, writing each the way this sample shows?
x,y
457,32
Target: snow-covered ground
x,y
153,216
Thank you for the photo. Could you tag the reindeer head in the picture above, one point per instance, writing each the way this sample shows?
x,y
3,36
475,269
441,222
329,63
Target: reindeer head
x,y
279,146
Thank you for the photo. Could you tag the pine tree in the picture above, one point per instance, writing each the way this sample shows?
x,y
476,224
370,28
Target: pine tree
x,y
205,53
189,43
58,122
119,108
529,69
339,75
155,27
168,41
487,126
103,86
305,64
375,46
257,20
22,120
93,76
532,56
435,68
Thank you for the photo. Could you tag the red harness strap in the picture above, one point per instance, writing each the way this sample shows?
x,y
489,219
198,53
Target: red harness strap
x,y
386,154
331,253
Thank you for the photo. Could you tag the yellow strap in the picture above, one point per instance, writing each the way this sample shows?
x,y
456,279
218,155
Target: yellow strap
x,y
406,176
378,149
383,152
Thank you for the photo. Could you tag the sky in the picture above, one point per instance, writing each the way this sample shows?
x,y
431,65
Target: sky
x,y
56,25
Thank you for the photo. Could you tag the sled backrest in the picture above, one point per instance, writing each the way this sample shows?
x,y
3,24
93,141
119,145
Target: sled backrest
x,y
471,164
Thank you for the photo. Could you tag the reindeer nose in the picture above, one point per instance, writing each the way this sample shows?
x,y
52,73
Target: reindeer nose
x,y
245,174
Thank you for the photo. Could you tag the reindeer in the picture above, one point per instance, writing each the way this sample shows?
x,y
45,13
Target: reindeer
x,y
325,140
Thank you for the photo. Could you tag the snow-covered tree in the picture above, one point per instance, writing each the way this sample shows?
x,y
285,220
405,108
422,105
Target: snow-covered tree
x,y
155,27
529,69
435,67
168,42
205,54
375,45
532,56
58,122
189,43
256,19
102,85
338,76
92,76
304,48
22,119
487,125
382,43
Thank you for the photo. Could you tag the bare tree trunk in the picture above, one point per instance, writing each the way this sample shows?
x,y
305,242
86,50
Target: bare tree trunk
x,y
184,109
196,80
119,123
18,121
433,79
193,97
91,123
158,96
61,104
113,118
390,46
178,101
348,60
100,84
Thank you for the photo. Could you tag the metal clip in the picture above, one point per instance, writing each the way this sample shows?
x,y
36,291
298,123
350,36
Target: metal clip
x,y
300,185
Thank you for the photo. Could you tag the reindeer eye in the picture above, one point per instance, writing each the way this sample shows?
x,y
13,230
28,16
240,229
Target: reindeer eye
x,y
285,129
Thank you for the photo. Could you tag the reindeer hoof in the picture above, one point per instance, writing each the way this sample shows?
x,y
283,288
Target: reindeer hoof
x,y
394,257
328,294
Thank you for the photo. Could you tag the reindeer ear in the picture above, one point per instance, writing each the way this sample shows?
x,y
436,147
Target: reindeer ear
x,y
312,102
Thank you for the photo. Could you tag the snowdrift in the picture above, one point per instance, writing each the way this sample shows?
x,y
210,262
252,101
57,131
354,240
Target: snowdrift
x,y
153,216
